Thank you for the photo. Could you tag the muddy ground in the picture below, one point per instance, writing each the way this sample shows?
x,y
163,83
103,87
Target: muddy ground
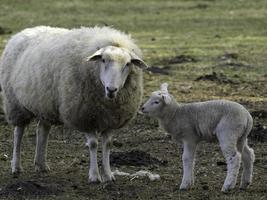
x,y
204,49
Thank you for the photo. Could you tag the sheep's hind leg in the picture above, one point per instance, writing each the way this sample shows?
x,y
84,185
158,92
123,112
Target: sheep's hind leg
x,y
16,163
233,159
42,133
106,145
248,158
92,142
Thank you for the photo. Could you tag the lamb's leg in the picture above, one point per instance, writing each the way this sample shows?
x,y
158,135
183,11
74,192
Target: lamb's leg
x,y
16,163
92,142
233,158
42,133
248,158
188,165
106,145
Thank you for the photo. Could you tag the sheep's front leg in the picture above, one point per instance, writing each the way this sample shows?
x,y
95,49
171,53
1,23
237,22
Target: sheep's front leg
x,y
16,163
106,145
188,165
92,142
42,133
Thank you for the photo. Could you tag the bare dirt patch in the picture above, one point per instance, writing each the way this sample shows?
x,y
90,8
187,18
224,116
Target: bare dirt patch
x,y
160,70
259,113
259,133
181,59
135,158
4,30
220,78
30,188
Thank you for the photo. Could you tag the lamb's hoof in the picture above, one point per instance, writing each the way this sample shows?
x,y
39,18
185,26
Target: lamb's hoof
x,y
95,179
185,186
244,186
109,178
16,172
227,188
42,168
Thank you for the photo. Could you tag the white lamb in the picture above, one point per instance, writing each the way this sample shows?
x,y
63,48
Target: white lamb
x,y
190,123
84,78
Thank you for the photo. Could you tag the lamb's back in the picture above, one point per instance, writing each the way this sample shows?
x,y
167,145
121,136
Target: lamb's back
x,y
205,116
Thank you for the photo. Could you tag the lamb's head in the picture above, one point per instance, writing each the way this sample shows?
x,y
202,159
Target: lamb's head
x,y
157,102
115,65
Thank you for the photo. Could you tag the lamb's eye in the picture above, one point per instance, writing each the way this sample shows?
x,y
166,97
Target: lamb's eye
x,y
156,102
127,64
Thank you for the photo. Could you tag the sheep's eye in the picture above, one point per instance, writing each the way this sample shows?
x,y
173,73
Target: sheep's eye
x,y
156,102
127,65
103,61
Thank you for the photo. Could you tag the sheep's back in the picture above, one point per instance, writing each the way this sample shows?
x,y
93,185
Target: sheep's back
x,y
206,116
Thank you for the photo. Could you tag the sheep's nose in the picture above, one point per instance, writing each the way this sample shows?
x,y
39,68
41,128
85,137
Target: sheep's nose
x,y
112,89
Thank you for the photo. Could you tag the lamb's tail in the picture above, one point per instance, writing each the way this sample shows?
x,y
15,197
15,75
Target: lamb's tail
x,y
249,125
242,141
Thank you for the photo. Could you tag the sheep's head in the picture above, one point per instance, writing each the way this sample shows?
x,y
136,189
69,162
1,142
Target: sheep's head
x,y
115,65
157,101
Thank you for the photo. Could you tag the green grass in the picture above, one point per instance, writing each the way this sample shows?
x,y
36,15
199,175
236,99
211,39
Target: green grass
x,y
205,30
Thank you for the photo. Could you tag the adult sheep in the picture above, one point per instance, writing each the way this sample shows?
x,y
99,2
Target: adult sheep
x,y
84,78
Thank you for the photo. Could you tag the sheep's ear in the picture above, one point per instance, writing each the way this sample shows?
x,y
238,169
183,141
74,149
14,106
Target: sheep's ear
x,y
96,56
164,87
138,61
166,98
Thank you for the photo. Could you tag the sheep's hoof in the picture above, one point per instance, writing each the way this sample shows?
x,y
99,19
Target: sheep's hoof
x,y
226,189
95,179
244,185
42,168
16,172
109,178
184,187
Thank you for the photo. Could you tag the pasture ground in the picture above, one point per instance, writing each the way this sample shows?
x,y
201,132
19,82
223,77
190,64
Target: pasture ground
x,y
204,49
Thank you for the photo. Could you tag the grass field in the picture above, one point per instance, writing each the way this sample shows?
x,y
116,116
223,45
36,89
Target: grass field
x,y
220,43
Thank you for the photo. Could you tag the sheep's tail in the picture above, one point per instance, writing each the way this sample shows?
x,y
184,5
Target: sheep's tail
x,y
242,141
249,125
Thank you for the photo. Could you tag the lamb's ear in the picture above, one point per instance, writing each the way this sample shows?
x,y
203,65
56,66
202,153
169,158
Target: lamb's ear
x,y
166,98
96,56
138,61
164,87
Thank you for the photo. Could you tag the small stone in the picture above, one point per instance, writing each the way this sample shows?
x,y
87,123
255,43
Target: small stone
x,y
4,157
